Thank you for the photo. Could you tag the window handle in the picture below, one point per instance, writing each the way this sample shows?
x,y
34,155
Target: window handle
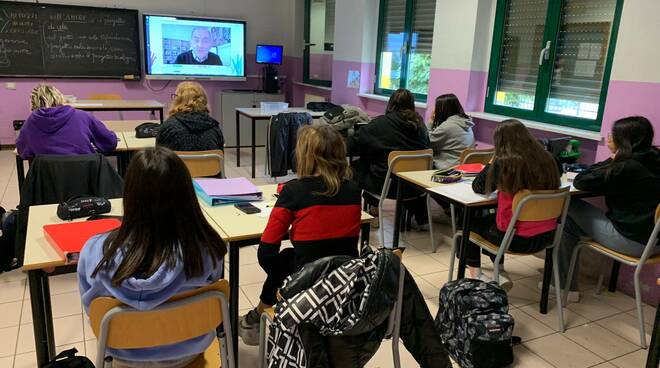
x,y
545,52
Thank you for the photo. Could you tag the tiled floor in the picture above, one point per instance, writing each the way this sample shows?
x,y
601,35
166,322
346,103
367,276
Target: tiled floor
x,y
602,329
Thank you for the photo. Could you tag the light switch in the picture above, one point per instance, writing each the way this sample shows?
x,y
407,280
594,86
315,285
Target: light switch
x,y
10,85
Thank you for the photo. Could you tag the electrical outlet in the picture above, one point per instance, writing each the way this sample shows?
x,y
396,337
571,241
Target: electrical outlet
x,y
10,85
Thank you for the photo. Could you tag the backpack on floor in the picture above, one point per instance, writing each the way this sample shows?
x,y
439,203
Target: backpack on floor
x,y
8,259
69,359
474,324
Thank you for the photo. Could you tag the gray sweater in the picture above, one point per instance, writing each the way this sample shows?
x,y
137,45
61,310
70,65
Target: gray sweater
x,y
449,139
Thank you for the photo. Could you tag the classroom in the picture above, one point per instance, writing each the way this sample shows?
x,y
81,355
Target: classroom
x,y
330,183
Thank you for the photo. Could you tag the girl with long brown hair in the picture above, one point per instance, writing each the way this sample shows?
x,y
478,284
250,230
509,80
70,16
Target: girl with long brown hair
x,y
163,247
320,211
520,163
400,129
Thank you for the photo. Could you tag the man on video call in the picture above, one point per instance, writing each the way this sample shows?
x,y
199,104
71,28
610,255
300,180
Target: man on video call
x,y
200,44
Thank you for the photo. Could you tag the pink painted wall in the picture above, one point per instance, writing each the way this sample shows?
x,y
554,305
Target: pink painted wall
x,y
320,66
14,104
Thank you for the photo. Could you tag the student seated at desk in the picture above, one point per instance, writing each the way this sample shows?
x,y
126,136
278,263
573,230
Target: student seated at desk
x,y
189,126
400,129
630,182
322,208
450,132
520,163
163,247
59,129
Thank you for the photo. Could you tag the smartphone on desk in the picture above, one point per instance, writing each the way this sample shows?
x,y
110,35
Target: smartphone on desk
x,y
247,208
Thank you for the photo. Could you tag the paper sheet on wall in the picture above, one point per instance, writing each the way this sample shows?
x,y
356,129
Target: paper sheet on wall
x,y
353,80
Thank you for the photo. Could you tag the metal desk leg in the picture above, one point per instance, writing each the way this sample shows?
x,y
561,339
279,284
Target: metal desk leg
x,y
465,241
254,148
42,317
161,114
20,172
398,214
547,275
234,251
365,229
238,139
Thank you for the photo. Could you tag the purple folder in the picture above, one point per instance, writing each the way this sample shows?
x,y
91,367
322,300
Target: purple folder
x,y
227,187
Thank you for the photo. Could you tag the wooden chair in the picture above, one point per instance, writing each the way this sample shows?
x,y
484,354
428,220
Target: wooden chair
x,y
538,205
476,156
647,258
185,316
470,156
393,324
107,96
204,163
402,161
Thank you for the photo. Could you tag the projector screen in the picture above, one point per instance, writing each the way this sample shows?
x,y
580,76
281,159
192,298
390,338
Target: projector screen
x,y
189,48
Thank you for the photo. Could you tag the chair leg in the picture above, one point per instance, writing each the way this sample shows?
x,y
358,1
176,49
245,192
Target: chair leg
x,y
381,229
263,355
434,246
555,272
638,303
614,276
547,274
569,276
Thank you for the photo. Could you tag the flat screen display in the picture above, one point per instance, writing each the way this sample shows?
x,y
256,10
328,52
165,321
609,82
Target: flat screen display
x,y
183,47
269,54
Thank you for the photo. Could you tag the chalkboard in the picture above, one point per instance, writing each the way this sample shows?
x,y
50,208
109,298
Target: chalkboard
x,y
48,40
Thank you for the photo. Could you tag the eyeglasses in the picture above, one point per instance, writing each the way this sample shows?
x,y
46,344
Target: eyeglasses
x,y
173,96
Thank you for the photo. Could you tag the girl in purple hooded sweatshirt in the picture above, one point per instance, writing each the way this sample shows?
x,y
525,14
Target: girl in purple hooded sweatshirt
x,y
164,247
58,129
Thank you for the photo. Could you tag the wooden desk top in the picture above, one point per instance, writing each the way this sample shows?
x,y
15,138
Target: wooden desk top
x,y
116,104
240,226
136,144
256,112
126,125
461,191
39,254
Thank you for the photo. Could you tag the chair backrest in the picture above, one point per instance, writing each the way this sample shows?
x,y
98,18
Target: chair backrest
x,y
105,96
540,205
184,316
476,156
203,163
402,161
657,214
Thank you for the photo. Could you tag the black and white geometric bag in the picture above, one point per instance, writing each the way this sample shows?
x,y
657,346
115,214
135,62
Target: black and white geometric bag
x,y
474,323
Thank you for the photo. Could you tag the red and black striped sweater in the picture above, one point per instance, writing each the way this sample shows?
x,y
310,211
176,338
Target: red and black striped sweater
x,y
320,226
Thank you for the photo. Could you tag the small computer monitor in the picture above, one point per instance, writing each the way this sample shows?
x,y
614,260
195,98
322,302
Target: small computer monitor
x,y
269,54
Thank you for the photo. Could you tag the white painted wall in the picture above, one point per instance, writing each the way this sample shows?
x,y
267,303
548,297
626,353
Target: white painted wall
x,y
356,25
637,54
269,21
453,34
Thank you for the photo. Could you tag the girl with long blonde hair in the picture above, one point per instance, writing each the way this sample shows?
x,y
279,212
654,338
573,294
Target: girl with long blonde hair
x,y
189,126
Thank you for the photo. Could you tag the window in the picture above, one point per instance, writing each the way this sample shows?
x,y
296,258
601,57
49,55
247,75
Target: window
x,y
405,36
319,42
551,60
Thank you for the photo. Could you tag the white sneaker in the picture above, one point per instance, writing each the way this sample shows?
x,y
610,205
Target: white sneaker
x,y
572,297
415,226
505,281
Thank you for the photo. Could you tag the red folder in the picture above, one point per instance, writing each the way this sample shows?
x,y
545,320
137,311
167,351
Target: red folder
x,y
69,238
470,169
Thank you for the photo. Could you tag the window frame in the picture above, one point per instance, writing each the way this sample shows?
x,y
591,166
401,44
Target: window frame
x,y
407,29
306,51
551,33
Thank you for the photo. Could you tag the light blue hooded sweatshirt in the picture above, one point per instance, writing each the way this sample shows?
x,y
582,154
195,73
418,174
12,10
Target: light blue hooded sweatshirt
x,y
144,294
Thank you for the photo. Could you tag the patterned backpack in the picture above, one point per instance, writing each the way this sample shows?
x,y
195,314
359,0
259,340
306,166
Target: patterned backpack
x,y
474,324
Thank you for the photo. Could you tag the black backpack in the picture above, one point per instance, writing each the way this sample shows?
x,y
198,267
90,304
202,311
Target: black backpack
x,y
474,324
68,359
8,259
